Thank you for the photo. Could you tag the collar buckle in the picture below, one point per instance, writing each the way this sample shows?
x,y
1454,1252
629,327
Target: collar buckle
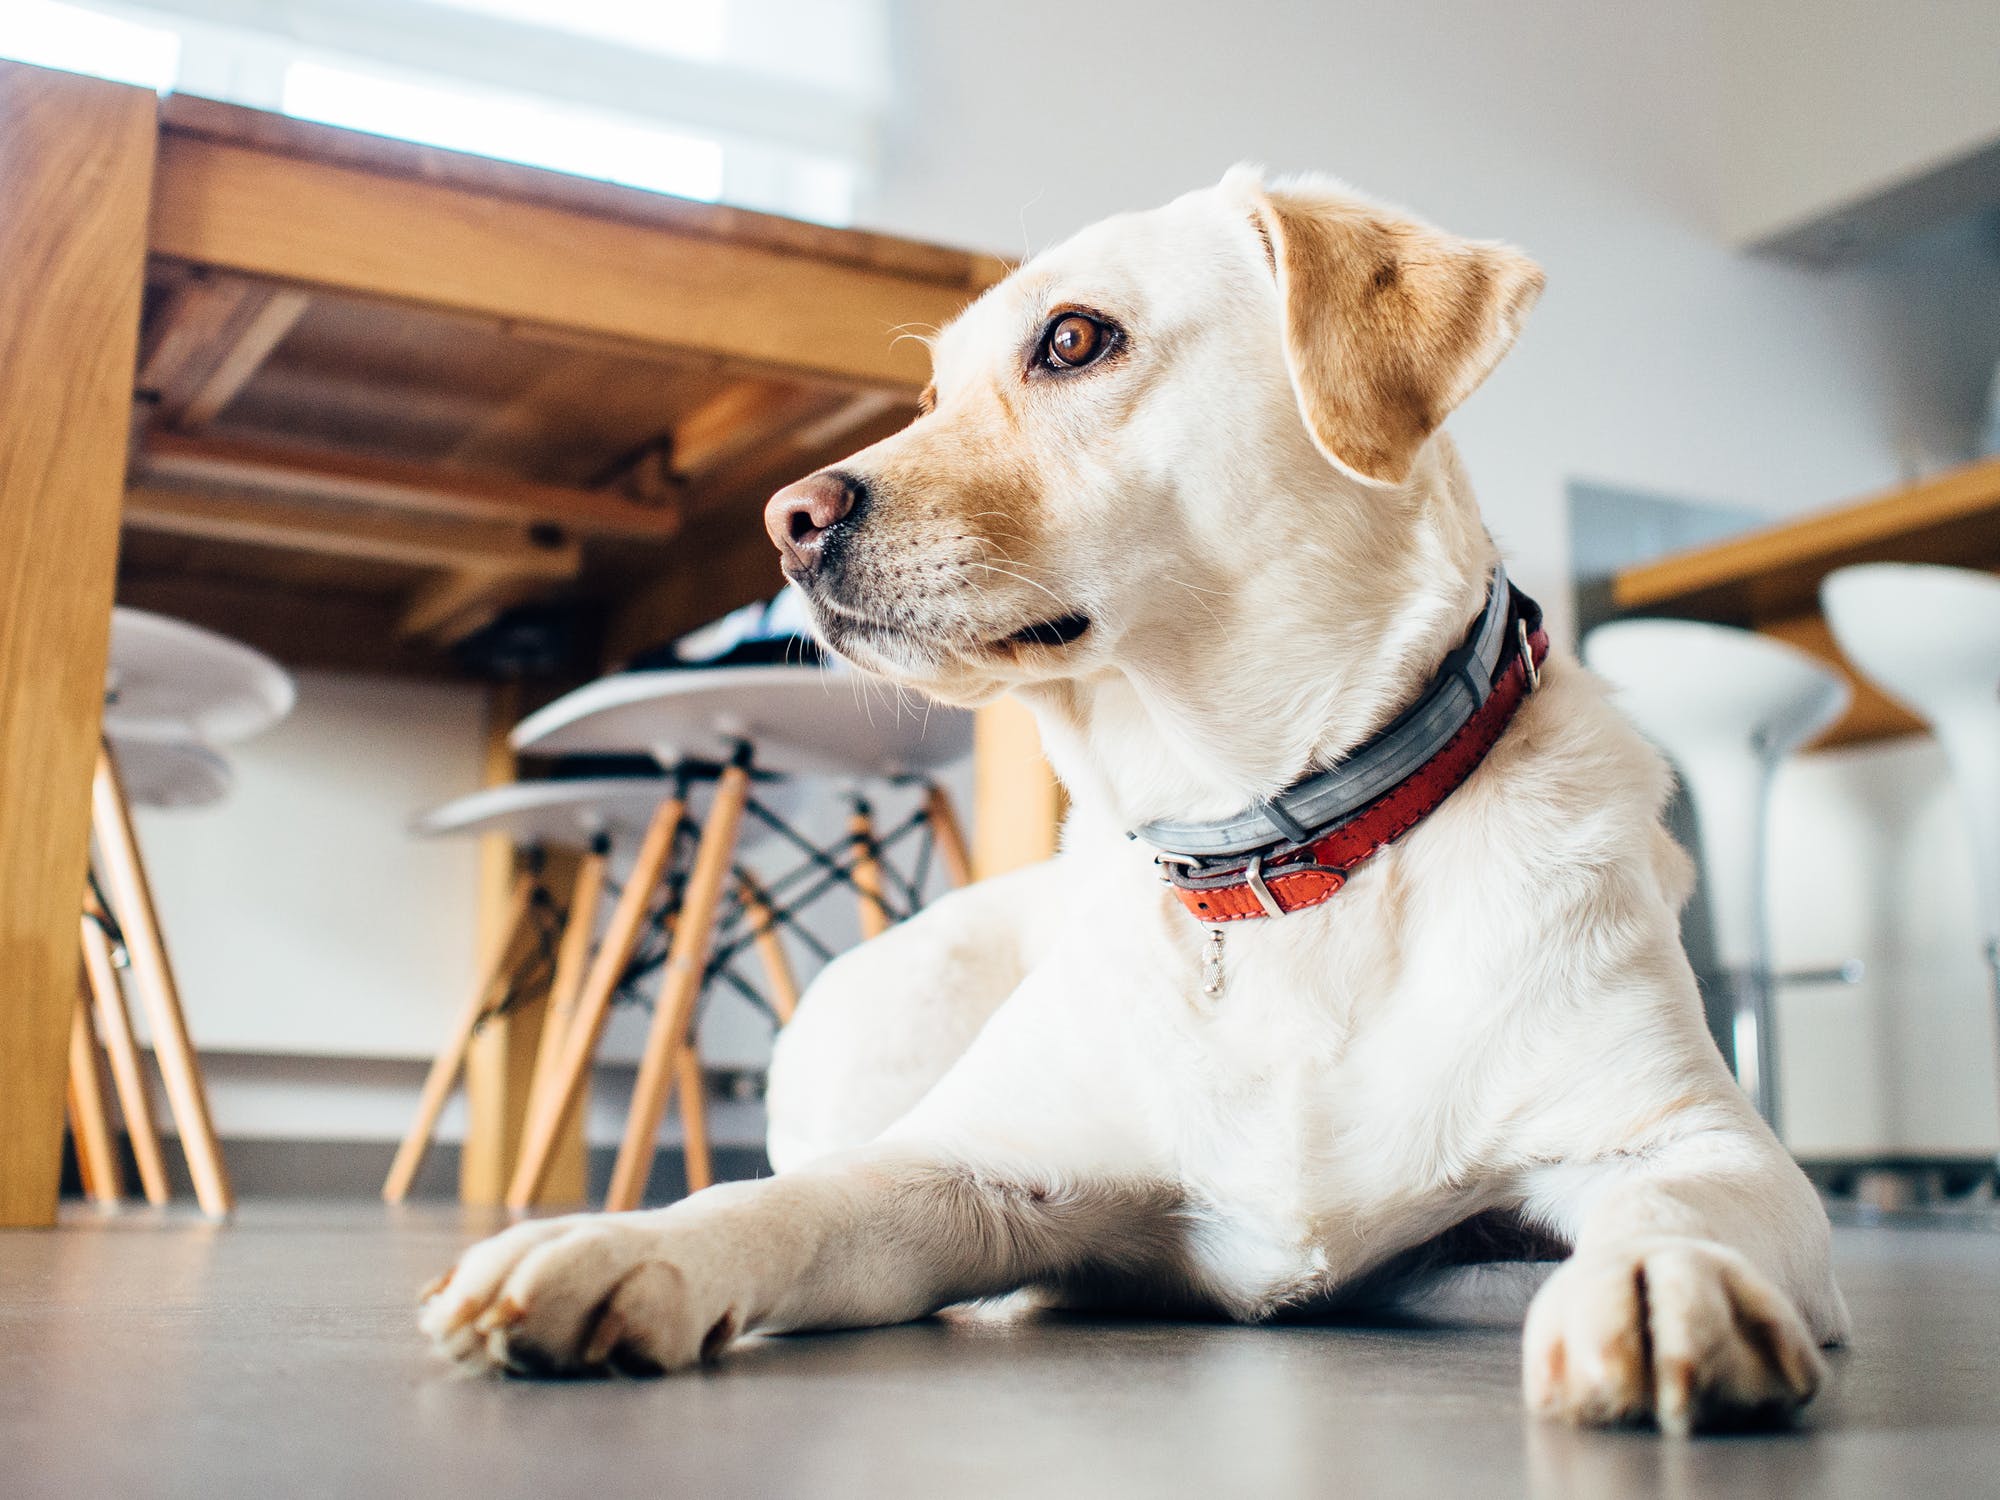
x,y
1528,663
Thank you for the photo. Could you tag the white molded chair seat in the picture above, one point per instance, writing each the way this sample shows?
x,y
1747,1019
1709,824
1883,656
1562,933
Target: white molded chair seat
x,y
801,720
1929,637
171,773
1725,706
167,679
572,812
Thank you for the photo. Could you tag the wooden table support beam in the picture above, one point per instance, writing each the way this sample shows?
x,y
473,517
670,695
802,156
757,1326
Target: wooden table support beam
x,y
76,167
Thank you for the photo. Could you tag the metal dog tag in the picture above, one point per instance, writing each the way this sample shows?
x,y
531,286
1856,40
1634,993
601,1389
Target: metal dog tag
x,y
1211,963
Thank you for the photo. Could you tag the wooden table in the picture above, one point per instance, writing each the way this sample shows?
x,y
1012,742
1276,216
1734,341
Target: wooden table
x,y
1769,579
350,399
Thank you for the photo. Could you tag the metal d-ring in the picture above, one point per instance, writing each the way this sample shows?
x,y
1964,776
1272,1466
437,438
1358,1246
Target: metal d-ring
x,y
1528,656
1254,874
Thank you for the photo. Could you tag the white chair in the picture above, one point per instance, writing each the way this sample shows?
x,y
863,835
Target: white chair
x,y
791,721
587,816
1725,706
172,692
1929,637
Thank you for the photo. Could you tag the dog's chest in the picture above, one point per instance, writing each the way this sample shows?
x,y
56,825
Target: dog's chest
x,y
1281,1121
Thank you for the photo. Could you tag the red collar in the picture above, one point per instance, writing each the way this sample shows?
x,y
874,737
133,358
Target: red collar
x,y
1288,877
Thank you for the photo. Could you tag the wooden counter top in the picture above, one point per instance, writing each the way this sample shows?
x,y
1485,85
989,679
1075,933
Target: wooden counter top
x,y
1769,579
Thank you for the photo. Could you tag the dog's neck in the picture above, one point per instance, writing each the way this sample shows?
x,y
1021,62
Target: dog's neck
x,y
1276,673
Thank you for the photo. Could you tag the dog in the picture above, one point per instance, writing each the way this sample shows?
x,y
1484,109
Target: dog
x,y
1180,486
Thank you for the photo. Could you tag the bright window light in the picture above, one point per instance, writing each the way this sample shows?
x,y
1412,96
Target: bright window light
x,y
684,28
531,131
75,40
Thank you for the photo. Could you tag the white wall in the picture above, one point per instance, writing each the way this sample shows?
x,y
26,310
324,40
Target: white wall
x,y
1826,102
302,916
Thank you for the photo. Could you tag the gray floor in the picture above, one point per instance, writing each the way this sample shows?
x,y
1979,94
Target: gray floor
x,y
276,1356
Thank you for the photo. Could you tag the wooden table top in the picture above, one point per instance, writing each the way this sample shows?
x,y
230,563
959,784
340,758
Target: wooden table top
x,y
386,392
1769,579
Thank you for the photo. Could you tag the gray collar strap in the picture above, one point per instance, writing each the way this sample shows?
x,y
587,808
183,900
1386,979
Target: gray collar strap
x,y
1410,741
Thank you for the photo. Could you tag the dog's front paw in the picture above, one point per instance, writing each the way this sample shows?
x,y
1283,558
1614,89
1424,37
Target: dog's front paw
x,y
1685,1332
580,1295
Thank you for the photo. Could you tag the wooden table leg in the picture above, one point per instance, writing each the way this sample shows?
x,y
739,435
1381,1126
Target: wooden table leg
x,y
680,987
76,174
867,870
693,1091
949,834
128,1074
500,1060
1017,803
628,918
450,1060
778,977
153,976
96,1157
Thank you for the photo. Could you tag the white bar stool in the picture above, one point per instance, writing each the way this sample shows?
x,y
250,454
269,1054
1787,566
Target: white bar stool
x,y
172,692
794,721
1929,637
1725,706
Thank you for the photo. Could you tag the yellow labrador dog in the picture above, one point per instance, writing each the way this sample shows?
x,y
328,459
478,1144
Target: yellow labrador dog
x,y
1390,976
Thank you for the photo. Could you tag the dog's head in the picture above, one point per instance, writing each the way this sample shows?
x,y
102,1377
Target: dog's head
x,y
1133,427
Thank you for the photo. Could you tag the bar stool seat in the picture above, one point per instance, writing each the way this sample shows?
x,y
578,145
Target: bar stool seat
x,y
1726,706
1929,637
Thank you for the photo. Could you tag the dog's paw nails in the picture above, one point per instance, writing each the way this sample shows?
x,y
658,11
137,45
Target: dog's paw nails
x,y
582,1295
502,1315
1681,1332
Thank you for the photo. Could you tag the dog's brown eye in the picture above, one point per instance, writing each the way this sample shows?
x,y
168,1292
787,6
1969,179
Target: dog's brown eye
x,y
1075,340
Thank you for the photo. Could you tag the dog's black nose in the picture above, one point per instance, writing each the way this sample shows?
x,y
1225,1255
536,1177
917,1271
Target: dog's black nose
x,y
799,515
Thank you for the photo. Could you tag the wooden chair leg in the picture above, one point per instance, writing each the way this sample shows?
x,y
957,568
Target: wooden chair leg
x,y
450,1060
551,1105
694,1117
680,986
96,1158
128,1074
867,871
86,1165
779,981
132,902
565,988
949,834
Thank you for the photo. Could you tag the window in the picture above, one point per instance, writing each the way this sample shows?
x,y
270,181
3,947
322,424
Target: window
x,y
772,104
680,28
76,40
510,126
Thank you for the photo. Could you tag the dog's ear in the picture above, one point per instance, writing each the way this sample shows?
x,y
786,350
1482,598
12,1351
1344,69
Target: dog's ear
x,y
1389,323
